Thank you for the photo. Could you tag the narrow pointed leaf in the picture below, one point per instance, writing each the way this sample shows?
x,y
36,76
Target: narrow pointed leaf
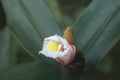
x,y
92,20
40,16
104,43
30,21
98,30
7,50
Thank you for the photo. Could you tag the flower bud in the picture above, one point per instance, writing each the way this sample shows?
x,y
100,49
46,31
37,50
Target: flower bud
x,y
59,48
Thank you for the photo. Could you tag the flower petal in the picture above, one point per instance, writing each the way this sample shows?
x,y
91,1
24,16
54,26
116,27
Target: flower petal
x,y
58,48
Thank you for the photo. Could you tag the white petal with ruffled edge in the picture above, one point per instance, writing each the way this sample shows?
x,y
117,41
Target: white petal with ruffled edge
x,y
65,56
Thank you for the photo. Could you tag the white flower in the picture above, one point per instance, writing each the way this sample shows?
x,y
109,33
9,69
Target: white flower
x,y
58,48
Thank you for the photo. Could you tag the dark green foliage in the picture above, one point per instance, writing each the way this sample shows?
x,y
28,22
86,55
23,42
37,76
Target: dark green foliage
x,y
7,50
33,71
96,31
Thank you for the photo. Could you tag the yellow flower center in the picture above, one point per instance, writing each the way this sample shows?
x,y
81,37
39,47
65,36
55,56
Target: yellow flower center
x,y
52,46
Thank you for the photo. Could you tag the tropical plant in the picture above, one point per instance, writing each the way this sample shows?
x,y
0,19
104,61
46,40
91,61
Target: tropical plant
x,y
96,31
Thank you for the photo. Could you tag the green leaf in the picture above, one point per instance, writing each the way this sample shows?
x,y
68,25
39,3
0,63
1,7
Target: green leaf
x,y
33,71
7,50
91,21
30,21
40,16
108,38
54,7
97,29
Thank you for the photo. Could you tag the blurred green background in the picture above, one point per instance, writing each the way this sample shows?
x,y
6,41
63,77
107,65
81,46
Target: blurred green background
x,y
66,12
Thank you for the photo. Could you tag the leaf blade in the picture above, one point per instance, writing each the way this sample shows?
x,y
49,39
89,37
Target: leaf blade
x,y
7,50
29,34
112,34
93,27
91,20
33,71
